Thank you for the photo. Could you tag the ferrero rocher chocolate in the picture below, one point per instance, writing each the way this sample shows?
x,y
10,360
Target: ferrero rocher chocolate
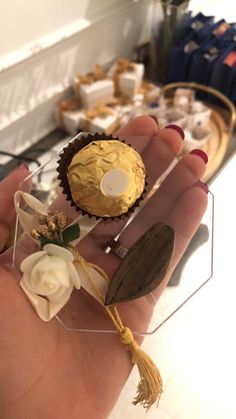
x,y
106,178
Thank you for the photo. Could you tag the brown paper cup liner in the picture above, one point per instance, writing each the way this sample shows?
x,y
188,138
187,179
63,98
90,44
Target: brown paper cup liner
x,y
64,161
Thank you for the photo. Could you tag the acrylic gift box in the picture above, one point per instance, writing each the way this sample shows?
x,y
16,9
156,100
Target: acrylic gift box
x,y
190,279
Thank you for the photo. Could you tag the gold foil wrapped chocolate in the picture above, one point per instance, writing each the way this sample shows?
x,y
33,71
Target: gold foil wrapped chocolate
x,y
102,176
106,178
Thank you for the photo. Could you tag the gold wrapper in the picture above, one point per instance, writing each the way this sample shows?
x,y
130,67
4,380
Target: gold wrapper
x,y
106,178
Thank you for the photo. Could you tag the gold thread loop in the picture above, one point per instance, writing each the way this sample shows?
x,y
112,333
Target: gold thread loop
x,y
126,336
150,386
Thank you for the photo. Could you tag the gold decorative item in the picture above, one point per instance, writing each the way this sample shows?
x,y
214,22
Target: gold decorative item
x,y
102,176
221,124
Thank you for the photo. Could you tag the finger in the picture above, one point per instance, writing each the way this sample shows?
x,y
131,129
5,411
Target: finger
x,y
157,157
142,133
139,133
192,205
184,219
8,187
183,176
160,153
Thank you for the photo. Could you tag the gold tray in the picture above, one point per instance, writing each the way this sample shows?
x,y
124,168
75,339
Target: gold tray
x,y
222,122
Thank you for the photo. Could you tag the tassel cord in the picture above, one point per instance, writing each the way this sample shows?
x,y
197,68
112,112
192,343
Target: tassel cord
x,y
150,386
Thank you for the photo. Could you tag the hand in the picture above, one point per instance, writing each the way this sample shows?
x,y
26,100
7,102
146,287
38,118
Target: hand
x,y
47,372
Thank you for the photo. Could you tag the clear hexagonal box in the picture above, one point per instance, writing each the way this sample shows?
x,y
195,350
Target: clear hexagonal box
x,y
174,197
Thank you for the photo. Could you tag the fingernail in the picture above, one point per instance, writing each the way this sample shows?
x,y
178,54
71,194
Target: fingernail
x,y
200,153
22,166
203,186
25,166
177,129
154,117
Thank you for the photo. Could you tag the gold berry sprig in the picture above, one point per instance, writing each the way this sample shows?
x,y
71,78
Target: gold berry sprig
x,y
51,229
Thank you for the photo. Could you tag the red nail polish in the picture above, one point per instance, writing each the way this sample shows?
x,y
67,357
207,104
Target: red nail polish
x,y
200,153
177,129
25,166
154,117
203,186
22,166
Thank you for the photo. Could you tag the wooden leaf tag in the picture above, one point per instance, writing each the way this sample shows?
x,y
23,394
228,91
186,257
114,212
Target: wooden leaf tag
x,y
144,267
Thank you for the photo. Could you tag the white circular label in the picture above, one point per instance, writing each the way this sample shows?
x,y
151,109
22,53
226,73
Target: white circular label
x,y
114,182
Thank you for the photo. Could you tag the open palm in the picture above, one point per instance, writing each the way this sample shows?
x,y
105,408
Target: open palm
x,y
47,372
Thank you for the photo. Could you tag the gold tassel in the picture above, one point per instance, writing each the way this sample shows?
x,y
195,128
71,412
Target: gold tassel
x,y
150,386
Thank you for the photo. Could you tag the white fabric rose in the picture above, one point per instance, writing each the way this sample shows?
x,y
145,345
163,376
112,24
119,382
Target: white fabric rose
x,y
48,279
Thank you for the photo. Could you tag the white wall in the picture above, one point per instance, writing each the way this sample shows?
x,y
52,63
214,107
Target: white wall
x,y
34,78
220,9
23,22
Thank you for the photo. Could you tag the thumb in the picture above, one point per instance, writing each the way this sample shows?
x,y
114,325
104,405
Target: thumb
x,y
8,187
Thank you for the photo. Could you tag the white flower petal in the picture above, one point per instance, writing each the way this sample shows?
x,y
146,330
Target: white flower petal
x,y
28,221
40,283
41,305
48,279
28,263
34,280
45,309
74,276
26,279
52,263
60,294
52,280
54,308
43,261
62,276
61,252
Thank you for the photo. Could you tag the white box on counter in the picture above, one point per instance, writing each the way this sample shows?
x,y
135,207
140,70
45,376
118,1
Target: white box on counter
x,y
99,91
68,120
130,81
151,92
100,124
